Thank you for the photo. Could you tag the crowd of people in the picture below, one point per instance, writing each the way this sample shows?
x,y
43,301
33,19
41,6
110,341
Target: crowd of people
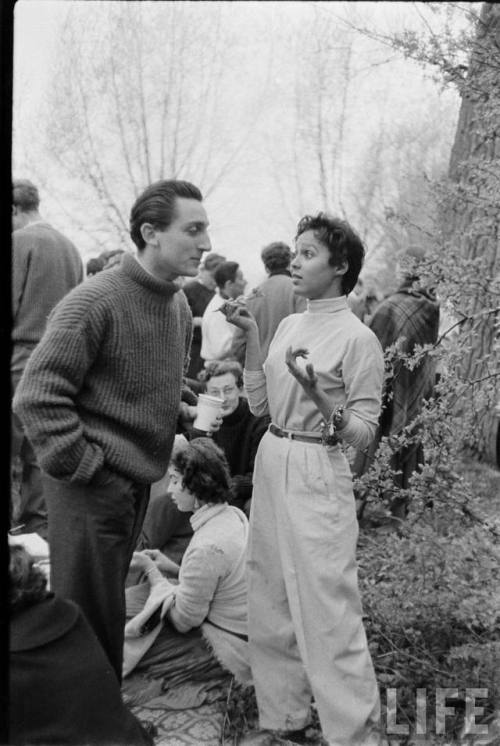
x,y
181,549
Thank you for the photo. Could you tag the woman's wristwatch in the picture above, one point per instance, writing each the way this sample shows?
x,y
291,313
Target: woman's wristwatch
x,y
329,428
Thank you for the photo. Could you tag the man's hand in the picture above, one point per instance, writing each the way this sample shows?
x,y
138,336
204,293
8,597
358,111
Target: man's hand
x,y
187,413
305,376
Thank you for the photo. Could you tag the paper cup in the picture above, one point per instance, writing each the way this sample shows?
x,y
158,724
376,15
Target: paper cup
x,y
208,408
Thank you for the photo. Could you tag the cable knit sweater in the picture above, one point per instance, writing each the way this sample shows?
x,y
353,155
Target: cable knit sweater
x,y
102,389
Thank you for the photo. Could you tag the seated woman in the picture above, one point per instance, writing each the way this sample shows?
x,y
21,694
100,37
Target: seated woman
x,y
239,434
202,625
62,686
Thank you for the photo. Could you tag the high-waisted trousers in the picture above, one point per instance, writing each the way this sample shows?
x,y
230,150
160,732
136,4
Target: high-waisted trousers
x,y
305,618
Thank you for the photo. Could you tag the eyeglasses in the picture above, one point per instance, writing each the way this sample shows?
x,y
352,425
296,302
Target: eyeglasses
x,y
226,391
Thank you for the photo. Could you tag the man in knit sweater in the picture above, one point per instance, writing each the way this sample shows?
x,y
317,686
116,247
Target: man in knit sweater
x,y
100,397
45,266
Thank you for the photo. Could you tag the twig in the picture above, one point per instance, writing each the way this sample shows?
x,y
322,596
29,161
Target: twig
x,y
409,655
226,716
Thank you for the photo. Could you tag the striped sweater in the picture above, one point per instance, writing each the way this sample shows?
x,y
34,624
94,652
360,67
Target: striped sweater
x,y
101,390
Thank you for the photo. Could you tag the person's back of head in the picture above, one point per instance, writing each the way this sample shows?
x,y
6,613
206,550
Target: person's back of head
x,y
112,258
156,206
342,242
212,261
94,265
216,368
226,271
27,583
207,270
204,469
276,257
25,202
409,262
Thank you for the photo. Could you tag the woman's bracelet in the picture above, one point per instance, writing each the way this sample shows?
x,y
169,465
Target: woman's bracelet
x,y
330,427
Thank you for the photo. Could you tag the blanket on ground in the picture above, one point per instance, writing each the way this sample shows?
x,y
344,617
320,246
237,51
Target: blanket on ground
x,y
142,630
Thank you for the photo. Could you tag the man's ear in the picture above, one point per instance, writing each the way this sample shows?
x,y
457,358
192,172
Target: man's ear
x,y
148,234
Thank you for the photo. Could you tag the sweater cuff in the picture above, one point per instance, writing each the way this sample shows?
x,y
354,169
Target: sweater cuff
x,y
91,462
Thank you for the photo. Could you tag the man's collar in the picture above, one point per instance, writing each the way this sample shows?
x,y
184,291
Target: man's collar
x,y
280,272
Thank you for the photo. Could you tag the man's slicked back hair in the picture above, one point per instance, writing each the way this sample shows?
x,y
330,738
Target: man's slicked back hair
x,y
156,205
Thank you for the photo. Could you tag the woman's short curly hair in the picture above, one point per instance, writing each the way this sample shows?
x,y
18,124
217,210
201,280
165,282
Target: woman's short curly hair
x,y
28,584
204,470
220,368
342,242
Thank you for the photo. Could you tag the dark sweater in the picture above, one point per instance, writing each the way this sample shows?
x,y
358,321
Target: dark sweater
x,y
102,389
198,296
62,689
45,266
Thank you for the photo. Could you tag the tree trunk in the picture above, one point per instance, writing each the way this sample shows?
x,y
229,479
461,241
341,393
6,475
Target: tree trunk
x,y
472,214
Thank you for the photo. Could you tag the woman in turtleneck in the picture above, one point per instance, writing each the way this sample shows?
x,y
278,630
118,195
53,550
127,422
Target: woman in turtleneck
x,y
306,633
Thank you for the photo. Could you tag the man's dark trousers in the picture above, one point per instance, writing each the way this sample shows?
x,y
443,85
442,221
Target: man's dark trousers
x,y
93,530
27,504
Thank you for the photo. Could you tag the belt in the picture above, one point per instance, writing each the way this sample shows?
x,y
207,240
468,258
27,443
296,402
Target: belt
x,y
229,631
309,438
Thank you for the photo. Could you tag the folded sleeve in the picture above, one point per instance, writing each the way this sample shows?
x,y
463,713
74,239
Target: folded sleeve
x,y
254,382
363,374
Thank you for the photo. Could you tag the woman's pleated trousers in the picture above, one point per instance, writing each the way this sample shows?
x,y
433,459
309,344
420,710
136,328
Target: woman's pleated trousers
x,y
305,619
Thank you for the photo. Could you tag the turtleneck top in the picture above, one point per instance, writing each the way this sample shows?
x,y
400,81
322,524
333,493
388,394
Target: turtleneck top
x,y
347,358
101,391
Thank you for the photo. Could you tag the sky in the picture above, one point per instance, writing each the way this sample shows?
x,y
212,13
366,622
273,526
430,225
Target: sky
x,y
247,211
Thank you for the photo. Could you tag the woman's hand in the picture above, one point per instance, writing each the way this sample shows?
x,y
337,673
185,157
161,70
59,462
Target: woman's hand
x,y
238,315
305,376
162,562
141,561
